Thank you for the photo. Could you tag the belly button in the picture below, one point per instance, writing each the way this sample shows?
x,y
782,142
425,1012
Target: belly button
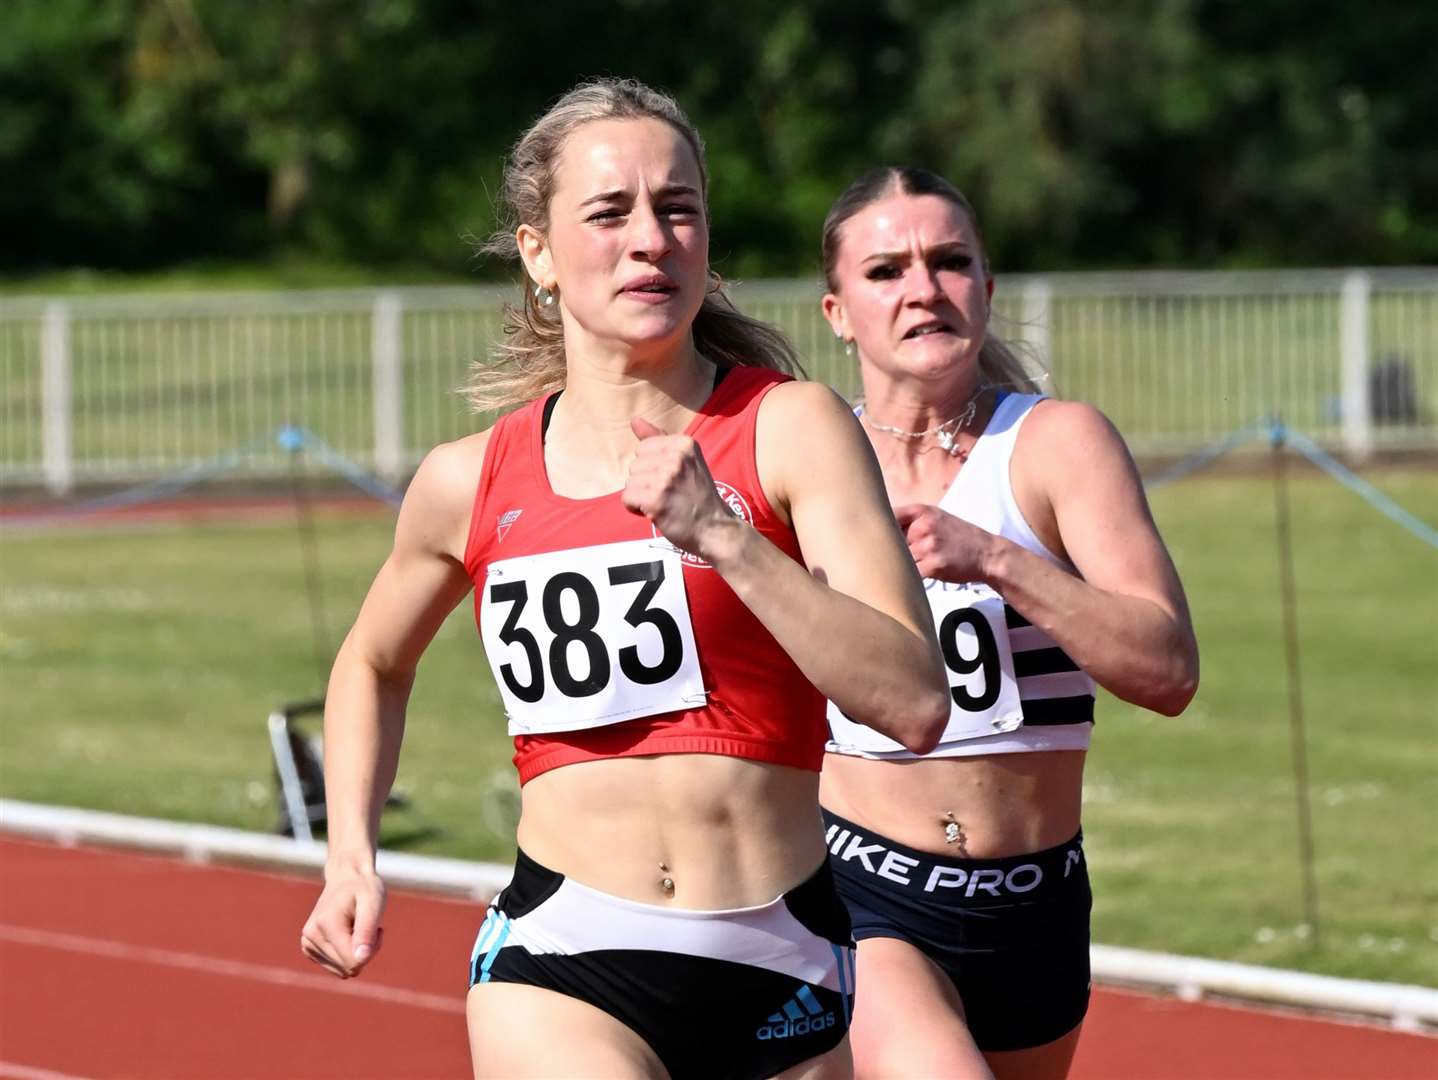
x,y
666,882
951,828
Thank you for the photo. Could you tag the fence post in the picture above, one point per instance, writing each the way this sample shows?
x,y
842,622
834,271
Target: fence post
x,y
56,396
1355,409
1038,319
387,388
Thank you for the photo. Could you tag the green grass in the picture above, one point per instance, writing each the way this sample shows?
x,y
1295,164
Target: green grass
x,y
138,666
1192,822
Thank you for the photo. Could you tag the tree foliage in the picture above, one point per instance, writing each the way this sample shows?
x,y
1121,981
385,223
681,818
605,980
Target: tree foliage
x,y
135,133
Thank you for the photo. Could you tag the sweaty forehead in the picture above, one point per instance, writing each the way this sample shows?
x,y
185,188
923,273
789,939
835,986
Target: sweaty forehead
x,y
622,155
899,222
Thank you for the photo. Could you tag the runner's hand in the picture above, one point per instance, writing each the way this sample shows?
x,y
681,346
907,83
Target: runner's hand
x,y
343,933
945,547
670,484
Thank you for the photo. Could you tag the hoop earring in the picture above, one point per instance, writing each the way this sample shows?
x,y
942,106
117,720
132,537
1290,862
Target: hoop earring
x,y
849,350
544,297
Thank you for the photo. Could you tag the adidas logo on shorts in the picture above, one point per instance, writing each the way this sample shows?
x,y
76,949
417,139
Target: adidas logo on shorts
x,y
794,1020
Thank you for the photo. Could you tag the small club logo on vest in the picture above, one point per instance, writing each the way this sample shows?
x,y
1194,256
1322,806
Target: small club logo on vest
x,y
801,1015
506,519
737,506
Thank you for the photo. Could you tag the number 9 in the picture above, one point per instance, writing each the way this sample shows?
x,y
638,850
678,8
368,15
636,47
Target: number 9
x,y
986,659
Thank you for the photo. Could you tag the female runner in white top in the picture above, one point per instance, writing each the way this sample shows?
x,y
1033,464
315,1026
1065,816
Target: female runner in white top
x,y
1029,509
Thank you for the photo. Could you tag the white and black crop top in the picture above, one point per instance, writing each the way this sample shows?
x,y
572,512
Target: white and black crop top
x,y
1013,689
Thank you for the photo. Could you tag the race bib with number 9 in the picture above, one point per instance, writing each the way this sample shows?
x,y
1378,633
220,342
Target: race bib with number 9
x,y
984,695
590,636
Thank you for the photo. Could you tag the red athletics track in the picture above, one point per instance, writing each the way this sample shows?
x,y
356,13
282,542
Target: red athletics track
x,y
123,965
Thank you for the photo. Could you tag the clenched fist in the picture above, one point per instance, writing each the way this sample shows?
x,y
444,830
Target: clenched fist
x,y
343,933
945,547
669,483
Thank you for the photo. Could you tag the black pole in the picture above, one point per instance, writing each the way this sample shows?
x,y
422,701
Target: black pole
x,y
310,552
1277,439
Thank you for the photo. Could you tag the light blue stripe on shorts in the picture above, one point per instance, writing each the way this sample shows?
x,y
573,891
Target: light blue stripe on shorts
x,y
494,949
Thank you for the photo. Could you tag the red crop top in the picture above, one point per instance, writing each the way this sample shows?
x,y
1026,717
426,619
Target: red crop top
x,y
561,624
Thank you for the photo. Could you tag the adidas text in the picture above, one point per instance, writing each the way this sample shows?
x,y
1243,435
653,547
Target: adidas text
x,y
785,1027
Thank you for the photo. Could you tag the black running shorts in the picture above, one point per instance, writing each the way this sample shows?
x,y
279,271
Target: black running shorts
x,y
740,993
1012,934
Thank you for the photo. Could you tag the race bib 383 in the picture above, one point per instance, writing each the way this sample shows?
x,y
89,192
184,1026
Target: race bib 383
x,y
585,637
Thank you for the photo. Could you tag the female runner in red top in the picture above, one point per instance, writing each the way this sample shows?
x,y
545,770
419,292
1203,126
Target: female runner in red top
x,y
677,552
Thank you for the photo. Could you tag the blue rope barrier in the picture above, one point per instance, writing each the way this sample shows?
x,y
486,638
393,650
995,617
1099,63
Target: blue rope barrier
x,y
1278,436
1206,456
1356,484
295,439
163,488
290,439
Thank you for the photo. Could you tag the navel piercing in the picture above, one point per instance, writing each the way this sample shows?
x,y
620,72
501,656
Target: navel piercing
x,y
951,828
667,882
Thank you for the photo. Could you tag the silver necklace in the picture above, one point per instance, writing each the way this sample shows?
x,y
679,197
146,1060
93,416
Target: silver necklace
x,y
946,434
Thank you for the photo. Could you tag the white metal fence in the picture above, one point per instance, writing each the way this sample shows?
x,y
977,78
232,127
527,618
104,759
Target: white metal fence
x,y
121,388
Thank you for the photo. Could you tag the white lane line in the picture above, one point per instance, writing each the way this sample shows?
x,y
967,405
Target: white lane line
x,y
13,1071
49,939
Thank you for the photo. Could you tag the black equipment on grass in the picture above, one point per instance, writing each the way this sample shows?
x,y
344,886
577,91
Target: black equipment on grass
x,y
300,772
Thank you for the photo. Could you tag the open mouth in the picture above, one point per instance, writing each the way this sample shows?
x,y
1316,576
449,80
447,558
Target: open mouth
x,y
927,329
652,286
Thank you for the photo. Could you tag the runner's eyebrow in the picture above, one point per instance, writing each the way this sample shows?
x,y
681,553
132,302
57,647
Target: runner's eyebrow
x,y
603,196
665,192
945,248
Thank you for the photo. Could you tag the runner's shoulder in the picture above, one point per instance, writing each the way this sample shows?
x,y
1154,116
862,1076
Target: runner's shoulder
x,y
800,411
1069,433
801,396
444,484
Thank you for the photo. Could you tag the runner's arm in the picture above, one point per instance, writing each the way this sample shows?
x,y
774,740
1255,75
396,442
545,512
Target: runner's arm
x,y
1126,620
417,587
855,621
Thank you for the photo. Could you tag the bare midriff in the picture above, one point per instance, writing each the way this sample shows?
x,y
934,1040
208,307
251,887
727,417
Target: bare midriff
x,y
1002,804
723,832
